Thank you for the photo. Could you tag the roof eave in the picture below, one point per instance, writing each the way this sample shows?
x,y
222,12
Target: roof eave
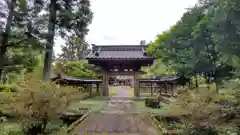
x,y
150,58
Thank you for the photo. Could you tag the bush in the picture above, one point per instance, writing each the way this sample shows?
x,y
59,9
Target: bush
x,y
15,133
11,133
37,103
8,88
202,130
153,102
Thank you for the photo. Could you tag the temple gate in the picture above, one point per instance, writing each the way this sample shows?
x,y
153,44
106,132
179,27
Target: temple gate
x,y
120,60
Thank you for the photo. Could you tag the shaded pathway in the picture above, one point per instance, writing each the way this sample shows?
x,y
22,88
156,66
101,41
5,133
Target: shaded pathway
x,y
118,116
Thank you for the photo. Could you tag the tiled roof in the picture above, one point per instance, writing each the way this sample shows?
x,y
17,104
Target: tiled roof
x,y
119,52
76,79
160,79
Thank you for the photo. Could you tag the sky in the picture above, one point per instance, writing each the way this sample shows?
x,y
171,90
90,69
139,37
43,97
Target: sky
x,y
127,22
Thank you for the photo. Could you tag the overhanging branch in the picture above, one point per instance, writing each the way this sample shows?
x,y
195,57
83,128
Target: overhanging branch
x,y
22,40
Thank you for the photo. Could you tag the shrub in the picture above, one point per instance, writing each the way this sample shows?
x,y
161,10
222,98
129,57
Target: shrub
x,y
37,103
153,101
202,130
8,88
15,133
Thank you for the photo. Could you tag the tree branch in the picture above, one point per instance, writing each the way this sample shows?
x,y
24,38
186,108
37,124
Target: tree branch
x,y
21,41
16,43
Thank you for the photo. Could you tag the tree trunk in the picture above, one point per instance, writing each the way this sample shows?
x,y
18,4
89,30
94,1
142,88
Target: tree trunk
x,y
3,51
5,36
196,82
50,40
215,80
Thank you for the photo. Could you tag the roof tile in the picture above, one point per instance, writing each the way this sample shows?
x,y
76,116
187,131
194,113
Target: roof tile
x,y
119,53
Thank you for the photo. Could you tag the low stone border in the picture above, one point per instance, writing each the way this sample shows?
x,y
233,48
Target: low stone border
x,y
70,128
156,123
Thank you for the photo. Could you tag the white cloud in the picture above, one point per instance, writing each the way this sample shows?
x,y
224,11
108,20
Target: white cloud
x,y
119,22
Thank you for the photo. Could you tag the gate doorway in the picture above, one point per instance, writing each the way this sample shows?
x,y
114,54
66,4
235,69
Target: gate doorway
x,y
121,80
120,60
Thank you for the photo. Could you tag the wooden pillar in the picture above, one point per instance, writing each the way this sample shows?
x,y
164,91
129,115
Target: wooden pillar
x,y
105,84
90,90
151,88
85,88
97,85
136,86
172,89
165,88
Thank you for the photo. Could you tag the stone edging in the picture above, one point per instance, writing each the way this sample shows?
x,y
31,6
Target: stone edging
x,y
70,128
157,124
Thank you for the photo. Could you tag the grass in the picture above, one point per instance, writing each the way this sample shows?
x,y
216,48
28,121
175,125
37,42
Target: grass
x,y
9,126
140,107
92,104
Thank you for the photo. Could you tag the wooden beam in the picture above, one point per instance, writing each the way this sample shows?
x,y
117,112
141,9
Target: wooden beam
x,y
112,73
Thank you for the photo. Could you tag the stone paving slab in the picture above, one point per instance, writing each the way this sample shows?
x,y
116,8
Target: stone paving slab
x,y
116,123
119,117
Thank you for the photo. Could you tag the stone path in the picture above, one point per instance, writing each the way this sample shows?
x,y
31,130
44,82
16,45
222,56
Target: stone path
x,y
117,118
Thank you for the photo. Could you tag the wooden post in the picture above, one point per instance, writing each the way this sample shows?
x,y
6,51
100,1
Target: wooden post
x,y
97,85
105,84
136,86
159,88
151,88
90,90
165,88
85,88
107,89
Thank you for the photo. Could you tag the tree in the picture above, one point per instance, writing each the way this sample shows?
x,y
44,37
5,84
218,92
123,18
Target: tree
x,y
75,49
73,17
203,42
174,46
17,27
76,68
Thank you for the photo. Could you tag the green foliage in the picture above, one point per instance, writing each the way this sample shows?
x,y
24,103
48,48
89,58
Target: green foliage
x,y
202,130
158,69
75,49
76,68
66,18
18,33
36,103
11,133
204,112
8,88
204,42
154,101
